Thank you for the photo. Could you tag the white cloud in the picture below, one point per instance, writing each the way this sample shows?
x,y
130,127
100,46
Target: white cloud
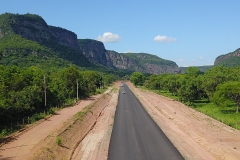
x,y
109,37
181,60
159,38
201,57
129,51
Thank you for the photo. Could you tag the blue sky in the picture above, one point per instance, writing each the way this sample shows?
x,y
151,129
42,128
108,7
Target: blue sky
x,y
189,32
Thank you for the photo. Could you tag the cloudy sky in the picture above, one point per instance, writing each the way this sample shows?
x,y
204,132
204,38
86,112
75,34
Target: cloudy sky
x,y
189,32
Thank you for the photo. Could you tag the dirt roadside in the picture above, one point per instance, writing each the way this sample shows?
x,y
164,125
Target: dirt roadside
x,y
20,147
72,132
95,145
194,134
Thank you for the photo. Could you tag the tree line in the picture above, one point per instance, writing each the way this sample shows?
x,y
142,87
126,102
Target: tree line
x,y
22,91
220,85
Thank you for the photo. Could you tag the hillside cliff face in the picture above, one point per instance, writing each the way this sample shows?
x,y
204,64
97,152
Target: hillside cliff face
x,y
120,61
44,42
93,50
231,59
28,38
141,62
33,27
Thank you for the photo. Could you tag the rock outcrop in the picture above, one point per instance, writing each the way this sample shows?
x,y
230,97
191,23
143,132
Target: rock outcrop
x,y
34,27
141,62
93,50
232,56
63,44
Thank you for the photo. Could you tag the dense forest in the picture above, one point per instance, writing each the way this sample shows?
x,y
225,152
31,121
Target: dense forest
x,y
23,91
218,87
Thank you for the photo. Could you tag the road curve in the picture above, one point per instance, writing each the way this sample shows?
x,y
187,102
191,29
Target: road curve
x,y
135,135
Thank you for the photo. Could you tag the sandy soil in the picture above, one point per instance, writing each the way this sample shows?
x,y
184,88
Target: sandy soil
x,y
194,134
21,145
95,145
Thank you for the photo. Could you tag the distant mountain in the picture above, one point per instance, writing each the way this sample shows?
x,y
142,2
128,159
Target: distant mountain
x,y
141,62
231,59
27,40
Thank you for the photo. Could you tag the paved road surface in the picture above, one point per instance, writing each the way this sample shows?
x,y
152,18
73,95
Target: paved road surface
x,y
135,135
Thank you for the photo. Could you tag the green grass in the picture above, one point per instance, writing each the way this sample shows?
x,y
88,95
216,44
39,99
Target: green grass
x,y
226,115
99,91
58,141
162,92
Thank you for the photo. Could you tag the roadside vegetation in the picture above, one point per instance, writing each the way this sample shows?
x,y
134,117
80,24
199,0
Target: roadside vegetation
x,y
215,93
28,95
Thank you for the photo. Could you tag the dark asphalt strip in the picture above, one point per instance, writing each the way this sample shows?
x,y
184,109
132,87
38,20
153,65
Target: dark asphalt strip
x,y
135,135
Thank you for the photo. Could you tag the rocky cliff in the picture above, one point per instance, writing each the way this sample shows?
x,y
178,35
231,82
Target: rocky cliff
x,y
48,42
32,40
141,62
231,59
34,27
94,51
120,61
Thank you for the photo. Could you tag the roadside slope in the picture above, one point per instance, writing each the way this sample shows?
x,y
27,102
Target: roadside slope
x,y
95,145
21,146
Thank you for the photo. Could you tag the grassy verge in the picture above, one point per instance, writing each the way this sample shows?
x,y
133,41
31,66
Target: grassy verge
x,y
225,115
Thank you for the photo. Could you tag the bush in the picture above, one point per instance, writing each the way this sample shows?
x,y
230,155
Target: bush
x,y
59,141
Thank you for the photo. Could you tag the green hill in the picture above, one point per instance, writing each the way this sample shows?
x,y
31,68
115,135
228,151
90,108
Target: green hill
x,y
144,58
27,40
231,59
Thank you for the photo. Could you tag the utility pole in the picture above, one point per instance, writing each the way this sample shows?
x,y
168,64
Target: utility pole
x,y
45,92
77,90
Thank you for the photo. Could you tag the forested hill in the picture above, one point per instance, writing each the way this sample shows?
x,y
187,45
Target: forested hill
x,y
27,40
231,59
152,63
141,62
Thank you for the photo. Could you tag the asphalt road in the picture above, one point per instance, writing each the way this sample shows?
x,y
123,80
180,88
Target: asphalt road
x,y
135,135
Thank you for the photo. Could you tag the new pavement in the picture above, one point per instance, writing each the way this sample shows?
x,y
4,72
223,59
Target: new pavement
x,y
135,135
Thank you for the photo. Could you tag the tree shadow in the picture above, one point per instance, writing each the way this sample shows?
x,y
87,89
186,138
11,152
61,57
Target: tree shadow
x,y
7,139
201,101
228,111
63,146
6,158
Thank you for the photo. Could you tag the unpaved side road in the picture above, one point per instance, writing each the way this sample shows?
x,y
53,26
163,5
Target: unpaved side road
x,y
20,147
194,134
95,145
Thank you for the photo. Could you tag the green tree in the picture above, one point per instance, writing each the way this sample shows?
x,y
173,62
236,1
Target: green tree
x,y
137,78
189,88
227,93
153,82
70,76
215,76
